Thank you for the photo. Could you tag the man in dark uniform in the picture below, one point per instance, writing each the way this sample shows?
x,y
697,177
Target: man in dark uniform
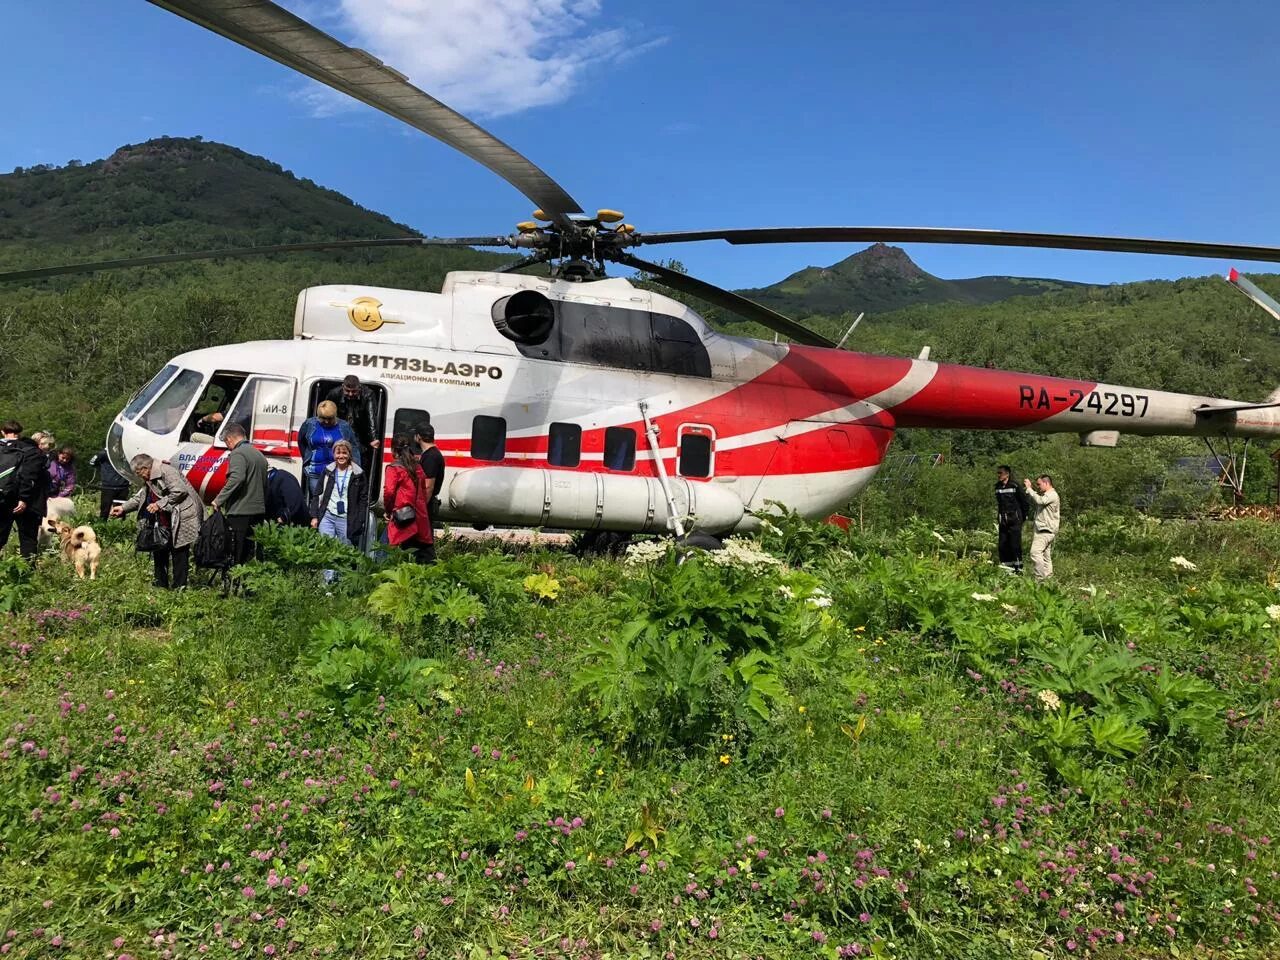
x,y
24,488
432,461
356,406
1011,514
113,486
285,503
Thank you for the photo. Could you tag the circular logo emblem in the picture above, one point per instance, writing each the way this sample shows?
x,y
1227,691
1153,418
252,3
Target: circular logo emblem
x,y
364,314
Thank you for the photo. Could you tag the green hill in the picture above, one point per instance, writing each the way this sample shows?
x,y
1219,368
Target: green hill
x,y
77,347
882,278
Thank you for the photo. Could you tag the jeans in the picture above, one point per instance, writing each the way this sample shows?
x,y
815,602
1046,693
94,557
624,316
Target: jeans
x,y
181,557
334,526
243,547
315,487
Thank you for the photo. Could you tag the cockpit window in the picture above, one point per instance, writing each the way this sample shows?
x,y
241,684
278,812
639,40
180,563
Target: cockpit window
x,y
147,393
167,413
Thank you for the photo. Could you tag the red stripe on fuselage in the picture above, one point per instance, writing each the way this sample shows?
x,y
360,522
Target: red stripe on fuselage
x,y
978,398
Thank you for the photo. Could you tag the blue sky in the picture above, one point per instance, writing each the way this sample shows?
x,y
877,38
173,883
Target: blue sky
x,y
1143,118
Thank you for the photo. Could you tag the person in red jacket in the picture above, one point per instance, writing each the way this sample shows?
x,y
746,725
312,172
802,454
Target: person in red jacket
x,y
404,492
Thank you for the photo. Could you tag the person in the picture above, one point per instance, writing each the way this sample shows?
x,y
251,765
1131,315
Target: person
x,y
285,502
243,499
166,497
405,486
113,486
1011,513
62,473
316,438
341,509
24,489
1048,514
432,461
356,405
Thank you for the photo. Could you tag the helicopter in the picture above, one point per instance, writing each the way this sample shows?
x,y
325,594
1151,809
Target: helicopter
x,y
577,400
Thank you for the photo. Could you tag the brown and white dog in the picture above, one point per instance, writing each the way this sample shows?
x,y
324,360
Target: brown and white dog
x,y
79,546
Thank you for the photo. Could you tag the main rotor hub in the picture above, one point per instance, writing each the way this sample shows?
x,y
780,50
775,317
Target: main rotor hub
x,y
577,236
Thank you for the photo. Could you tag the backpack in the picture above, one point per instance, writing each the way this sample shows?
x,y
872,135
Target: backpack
x,y
212,550
10,464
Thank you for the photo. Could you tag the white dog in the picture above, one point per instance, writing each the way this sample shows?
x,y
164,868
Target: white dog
x,y
56,509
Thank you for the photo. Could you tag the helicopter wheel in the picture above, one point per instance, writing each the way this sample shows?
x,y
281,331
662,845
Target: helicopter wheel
x,y
601,543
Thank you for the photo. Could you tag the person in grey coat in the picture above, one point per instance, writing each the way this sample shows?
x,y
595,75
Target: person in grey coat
x,y
166,498
243,500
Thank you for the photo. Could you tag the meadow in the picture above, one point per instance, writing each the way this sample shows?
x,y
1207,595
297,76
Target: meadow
x,y
816,743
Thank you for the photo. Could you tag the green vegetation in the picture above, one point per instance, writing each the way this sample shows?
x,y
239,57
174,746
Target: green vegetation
x,y
896,750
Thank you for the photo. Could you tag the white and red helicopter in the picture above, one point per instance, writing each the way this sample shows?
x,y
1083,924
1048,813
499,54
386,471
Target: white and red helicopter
x,y
579,401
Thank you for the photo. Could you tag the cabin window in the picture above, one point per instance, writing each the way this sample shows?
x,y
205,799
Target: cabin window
x,y
620,448
564,445
148,393
168,412
488,437
210,411
695,451
408,420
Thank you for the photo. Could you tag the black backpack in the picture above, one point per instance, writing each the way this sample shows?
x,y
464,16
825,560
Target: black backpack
x,y
11,458
212,549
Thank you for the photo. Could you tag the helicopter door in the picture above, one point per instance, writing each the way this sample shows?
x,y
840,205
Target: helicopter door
x,y
264,408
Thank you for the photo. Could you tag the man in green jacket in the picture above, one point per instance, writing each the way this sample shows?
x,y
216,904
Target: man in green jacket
x,y
243,499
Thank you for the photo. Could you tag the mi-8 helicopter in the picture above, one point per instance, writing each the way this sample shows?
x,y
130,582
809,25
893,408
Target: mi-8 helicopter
x,y
581,401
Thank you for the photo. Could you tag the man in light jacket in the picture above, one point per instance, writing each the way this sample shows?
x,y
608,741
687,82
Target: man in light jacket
x,y
1048,514
243,500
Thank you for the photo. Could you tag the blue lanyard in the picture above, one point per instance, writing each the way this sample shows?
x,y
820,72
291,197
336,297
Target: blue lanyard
x,y
341,482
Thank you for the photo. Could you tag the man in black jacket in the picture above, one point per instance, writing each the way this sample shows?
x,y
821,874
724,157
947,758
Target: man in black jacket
x,y
1011,514
285,503
356,406
24,488
113,486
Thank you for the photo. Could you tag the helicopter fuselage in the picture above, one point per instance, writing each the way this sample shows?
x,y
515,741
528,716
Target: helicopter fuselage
x,y
606,406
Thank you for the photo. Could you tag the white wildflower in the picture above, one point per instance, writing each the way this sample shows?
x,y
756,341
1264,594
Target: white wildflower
x,y
940,537
1008,608
1091,590
645,551
819,601
1273,611
983,597
1049,699
787,592
738,552
1182,562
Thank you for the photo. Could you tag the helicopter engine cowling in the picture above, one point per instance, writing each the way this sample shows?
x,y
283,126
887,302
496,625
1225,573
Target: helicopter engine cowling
x,y
589,501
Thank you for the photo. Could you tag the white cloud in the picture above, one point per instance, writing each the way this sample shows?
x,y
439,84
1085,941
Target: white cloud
x,y
484,58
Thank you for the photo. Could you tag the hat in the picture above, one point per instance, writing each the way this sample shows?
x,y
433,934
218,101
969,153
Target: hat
x,y
327,409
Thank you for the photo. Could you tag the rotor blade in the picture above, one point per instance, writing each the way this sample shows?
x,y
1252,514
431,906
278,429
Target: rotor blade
x,y
268,29
730,301
92,267
523,262
994,238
